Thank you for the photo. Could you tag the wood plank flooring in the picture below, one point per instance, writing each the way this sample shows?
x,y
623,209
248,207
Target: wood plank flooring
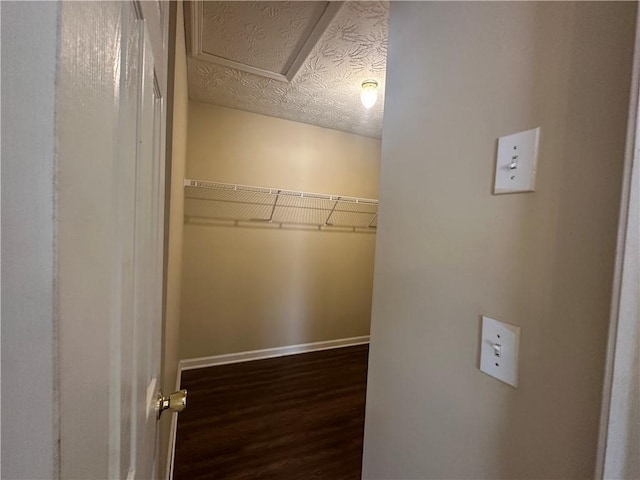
x,y
288,418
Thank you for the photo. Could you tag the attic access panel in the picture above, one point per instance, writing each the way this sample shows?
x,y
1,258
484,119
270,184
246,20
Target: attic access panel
x,y
268,39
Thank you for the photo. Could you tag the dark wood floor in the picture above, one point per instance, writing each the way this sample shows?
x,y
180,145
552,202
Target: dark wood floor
x,y
287,418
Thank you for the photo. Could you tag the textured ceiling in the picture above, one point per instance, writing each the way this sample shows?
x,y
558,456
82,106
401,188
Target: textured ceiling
x,y
302,61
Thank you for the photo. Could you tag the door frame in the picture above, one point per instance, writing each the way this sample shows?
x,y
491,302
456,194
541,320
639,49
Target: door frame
x,y
624,314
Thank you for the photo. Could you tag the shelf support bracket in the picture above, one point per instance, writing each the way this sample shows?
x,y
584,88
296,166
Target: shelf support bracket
x,y
273,209
326,222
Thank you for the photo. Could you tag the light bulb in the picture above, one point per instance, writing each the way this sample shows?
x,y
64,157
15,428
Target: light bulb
x,y
369,93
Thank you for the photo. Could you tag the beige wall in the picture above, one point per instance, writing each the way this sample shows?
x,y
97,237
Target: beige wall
x,y
253,288
176,209
232,146
459,76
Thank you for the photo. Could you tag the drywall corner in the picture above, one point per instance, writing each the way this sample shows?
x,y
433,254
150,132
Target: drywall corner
x,y
175,219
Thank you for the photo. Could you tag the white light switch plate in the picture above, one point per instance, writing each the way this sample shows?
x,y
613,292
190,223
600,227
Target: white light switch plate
x,y
516,162
499,350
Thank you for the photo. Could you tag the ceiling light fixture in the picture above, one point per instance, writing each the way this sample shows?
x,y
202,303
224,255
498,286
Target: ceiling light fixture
x,y
369,93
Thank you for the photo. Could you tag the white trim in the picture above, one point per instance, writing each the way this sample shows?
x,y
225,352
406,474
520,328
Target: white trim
x,y
316,34
201,362
619,303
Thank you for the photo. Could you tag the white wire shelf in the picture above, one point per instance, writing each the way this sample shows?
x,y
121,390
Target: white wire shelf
x,y
278,207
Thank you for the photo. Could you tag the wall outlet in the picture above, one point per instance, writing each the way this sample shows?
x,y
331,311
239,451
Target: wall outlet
x,y
499,350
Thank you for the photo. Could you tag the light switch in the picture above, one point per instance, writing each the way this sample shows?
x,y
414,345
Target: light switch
x,y
499,350
516,162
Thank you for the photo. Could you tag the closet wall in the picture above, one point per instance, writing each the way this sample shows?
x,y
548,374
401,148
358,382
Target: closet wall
x,y
254,287
449,251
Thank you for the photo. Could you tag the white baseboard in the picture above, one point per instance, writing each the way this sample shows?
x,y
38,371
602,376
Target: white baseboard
x,y
191,363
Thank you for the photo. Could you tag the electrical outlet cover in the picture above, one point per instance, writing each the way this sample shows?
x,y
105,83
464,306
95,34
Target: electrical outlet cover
x,y
516,162
499,350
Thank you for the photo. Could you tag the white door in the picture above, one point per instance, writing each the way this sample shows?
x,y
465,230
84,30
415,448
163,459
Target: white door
x,y
110,124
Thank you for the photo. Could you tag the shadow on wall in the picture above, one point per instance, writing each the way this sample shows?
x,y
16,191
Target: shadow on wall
x,y
575,280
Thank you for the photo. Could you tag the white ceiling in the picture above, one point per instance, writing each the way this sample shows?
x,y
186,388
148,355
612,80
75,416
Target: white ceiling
x,y
302,61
